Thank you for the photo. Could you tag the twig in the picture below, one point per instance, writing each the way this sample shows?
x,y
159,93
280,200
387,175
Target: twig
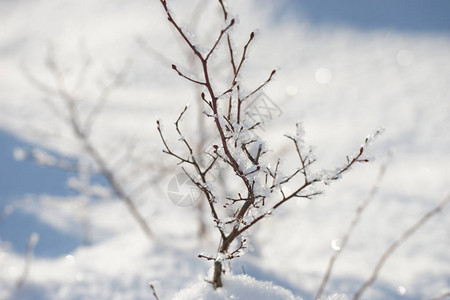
x,y
356,217
243,57
174,67
261,86
219,39
31,243
443,296
103,97
391,249
154,291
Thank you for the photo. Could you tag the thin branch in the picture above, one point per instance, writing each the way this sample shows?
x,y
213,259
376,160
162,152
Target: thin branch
x,y
140,189
357,216
191,152
287,179
154,291
174,67
302,159
233,64
103,97
211,164
168,150
180,31
219,38
85,64
241,246
243,57
177,127
443,296
256,220
210,197
206,257
224,10
261,86
296,193
46,90
401,240
31,243
122,158
357,157
230,47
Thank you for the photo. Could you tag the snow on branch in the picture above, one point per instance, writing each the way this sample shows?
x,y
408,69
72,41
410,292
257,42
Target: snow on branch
x,y
261,189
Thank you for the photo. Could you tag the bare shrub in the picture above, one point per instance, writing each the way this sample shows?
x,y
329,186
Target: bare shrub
x,y
242,153
79,116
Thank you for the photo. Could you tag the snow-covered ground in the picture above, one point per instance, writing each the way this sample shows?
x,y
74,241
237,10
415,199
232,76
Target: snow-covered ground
x,y
341,82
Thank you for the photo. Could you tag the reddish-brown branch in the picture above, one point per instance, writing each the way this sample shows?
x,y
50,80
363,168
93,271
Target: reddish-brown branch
x,y
174,67
261,86
218,39
243,57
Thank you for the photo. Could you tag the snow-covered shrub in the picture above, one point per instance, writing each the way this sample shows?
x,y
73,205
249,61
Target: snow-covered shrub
x,y
261,186
69,99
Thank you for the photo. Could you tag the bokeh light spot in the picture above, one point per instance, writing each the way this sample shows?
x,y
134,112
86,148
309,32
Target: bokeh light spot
x,y
336,244
291,90
70,259
401,290
323,75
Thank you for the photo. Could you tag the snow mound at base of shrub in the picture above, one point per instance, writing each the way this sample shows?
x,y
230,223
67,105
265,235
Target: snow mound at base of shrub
x,y
236,287
241,287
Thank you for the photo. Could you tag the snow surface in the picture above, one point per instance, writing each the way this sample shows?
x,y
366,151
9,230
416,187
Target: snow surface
x,y
238,287
241,287
341,83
